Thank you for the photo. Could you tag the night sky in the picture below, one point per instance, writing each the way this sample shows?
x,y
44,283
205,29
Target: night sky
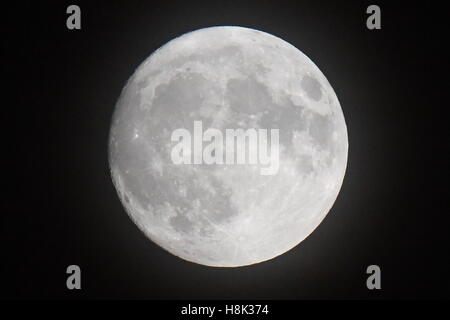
x,y
60,206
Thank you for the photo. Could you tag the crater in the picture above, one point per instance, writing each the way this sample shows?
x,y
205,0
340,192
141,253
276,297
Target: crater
x,y
321,130
312,87
248,95
181,224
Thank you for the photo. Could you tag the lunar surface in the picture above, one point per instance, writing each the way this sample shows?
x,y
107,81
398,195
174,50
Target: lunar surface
x,y
228,214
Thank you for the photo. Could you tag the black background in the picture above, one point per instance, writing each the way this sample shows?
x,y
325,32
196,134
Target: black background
x,y
60,207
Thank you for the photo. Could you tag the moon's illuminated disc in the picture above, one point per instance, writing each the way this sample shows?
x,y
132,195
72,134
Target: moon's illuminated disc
x,y
228,214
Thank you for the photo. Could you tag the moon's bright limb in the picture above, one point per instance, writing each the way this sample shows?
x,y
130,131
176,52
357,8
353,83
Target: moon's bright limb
x,y
228,215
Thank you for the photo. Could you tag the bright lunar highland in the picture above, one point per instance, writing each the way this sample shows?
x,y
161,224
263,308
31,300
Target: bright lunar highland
x,y
221,214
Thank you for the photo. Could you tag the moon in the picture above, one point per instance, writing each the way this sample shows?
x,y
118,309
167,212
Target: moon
x,y
228,215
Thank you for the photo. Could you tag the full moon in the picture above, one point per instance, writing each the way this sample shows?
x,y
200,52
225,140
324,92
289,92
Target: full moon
x,y
228,214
